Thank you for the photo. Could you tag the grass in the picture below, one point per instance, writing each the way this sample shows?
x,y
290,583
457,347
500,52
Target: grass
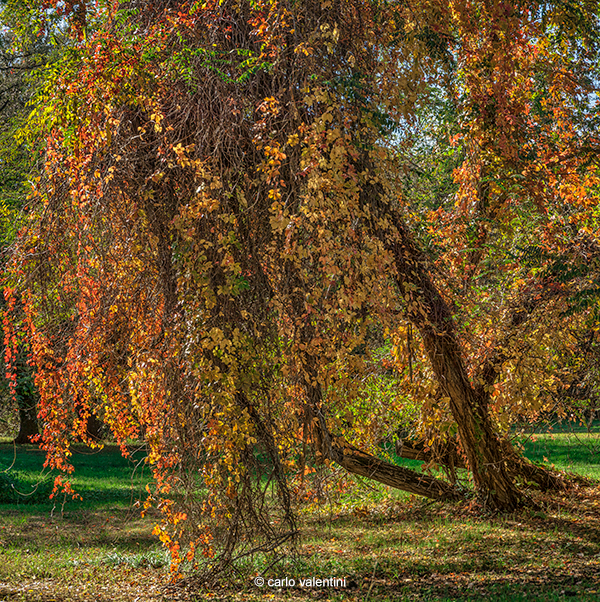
x,y
76,549
569,447
100,477
387,546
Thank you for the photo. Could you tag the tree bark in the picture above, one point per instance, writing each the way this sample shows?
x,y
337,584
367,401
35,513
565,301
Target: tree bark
x,y
28,423
358,462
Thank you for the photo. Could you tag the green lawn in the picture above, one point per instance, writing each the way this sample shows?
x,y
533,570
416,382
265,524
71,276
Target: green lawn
x,y
387,545
101,476
569,447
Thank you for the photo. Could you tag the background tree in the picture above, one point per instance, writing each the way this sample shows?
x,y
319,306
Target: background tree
x,y
18,64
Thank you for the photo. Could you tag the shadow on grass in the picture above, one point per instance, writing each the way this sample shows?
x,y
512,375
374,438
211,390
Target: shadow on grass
x,y
391,550
115,526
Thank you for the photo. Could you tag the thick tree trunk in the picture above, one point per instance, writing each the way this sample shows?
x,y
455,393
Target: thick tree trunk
x,y
482,446
358,462
95,428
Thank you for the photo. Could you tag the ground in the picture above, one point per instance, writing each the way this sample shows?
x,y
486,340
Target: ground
x,y
387,546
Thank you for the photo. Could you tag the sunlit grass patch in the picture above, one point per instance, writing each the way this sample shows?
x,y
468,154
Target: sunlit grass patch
x,y
101,477
568,446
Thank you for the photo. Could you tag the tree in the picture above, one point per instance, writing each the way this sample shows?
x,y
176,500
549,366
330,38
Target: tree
x,y
17,160
518,211
220,224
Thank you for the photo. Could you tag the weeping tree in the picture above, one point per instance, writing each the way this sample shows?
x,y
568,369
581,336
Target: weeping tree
x,y
221,223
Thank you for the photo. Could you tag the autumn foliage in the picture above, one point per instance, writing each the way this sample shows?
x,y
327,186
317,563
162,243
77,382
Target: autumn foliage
x,y
227,219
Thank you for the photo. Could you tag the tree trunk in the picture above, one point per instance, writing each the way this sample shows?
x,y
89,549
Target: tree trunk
x,y
95,428
28,424
358,462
